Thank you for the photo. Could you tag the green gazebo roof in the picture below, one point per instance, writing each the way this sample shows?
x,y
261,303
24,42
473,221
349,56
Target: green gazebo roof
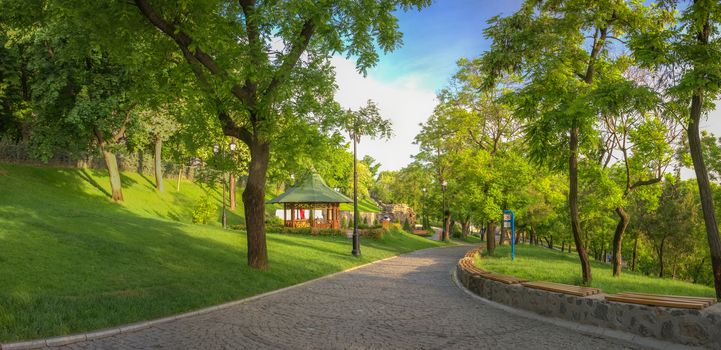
x,y
311,189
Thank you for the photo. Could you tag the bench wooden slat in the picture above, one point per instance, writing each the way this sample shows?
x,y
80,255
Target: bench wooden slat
x,y
503,278
643,301
672,299
683,297
563,288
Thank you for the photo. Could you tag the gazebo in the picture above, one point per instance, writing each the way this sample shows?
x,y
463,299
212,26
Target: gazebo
x,y
312,193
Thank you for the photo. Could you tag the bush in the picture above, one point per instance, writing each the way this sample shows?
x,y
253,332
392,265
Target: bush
x,y
407,226
203,211
374,233
312,232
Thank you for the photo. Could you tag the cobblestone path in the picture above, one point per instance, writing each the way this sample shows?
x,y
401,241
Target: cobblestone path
x,y
409,302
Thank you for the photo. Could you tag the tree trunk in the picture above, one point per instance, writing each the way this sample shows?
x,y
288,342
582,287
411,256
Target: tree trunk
x,y
232,192
111,163
446,226
573,205
502,235
623,219
633,258
660,258
158,165
491,238
466,227
254,203
518,238
704,188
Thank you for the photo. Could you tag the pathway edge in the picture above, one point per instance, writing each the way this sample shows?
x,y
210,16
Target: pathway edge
x,y
133,327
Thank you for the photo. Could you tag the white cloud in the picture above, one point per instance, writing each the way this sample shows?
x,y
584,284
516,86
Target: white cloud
x,y
403,101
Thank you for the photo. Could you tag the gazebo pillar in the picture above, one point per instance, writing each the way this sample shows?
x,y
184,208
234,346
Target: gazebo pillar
x,y
285,209
312,216
292,215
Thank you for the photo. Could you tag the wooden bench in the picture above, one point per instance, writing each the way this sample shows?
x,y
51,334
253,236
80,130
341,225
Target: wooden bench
x,y
676,301
562,288
472,253
503,278
468,265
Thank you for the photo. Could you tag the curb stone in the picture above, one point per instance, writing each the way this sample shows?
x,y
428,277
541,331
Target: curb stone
x,y
133,327
581,328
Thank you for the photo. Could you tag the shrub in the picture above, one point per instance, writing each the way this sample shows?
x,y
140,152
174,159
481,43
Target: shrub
x,y
203,211
407,225
374,233
312,232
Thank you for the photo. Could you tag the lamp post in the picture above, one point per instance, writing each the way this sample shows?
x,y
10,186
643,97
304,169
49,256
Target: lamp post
x,y
356,241
445,218
218,149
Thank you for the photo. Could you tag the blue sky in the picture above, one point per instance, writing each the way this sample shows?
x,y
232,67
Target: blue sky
x,y
436,37
405,81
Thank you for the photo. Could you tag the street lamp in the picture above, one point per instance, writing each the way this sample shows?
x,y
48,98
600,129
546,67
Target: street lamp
x,y
221,150
356,240
445,218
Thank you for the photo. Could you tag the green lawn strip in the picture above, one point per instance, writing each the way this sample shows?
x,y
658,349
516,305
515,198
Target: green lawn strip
x,y
541,264
468,239
74,261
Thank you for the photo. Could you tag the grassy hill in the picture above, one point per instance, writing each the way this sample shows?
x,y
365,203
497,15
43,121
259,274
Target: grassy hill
x,y
541,264
72,260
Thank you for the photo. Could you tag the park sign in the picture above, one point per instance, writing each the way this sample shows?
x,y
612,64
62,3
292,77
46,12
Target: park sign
x,y
509,222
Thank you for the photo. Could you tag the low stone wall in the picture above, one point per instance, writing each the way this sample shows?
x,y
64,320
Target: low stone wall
x,y
683,326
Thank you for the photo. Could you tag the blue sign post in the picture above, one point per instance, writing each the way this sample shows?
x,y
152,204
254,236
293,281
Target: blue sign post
x,y
509,221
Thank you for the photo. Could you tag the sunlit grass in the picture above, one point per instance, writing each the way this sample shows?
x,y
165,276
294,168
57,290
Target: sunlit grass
x,y
71,260
541,264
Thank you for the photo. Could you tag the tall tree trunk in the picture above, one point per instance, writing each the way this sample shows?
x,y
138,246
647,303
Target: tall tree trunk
x,y
660,258
704,188
623,219
518,238
502,235
111,163
254,203
466,227
232,191
491,238
158,165
446,226
633,258
573,205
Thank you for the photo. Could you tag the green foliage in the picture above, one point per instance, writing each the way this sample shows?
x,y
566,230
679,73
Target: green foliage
x,y
203,211
407,226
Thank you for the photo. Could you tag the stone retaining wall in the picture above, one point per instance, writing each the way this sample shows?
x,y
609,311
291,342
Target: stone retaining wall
x,y
684,326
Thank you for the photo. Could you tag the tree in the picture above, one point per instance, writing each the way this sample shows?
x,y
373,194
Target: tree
x,y
157,125
257,90
546,42
641,128
688,41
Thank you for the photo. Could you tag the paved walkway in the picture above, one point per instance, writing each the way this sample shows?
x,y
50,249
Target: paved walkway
x,y
409,302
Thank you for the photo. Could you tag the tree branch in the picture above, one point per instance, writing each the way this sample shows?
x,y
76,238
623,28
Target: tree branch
x,y
646,182
184,40
282,73
121,132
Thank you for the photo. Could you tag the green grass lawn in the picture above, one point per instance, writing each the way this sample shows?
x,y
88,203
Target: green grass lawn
x,y
72,260
541,264
468,239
